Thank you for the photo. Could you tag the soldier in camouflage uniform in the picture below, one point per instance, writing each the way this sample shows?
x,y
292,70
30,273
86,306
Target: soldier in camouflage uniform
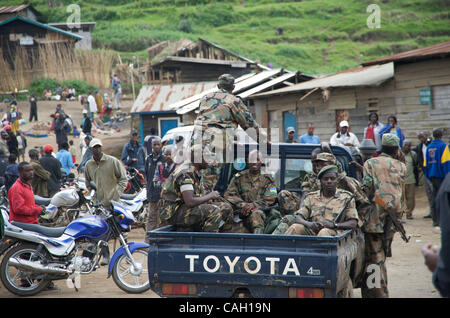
x,y
384,177
328,211
311,183
251,192
220,114
185,204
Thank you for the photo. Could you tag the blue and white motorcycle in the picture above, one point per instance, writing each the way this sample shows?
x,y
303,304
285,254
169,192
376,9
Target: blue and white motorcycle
x,y
35,255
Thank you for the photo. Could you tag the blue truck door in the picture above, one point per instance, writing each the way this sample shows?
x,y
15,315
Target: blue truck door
x,y
167,124
289,120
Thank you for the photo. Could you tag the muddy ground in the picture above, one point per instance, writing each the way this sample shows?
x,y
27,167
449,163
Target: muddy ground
x,y
408,276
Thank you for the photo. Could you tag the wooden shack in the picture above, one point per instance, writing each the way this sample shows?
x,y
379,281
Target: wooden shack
x,y
30,49
421,89
326,101
185,61
24,10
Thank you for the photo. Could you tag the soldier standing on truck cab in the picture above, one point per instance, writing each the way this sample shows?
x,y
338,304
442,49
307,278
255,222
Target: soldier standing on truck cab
x,y
383,177
327,211
218,112
184,202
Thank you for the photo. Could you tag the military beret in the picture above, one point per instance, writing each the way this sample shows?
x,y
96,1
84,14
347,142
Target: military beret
x,y
326,169
325,156
226,79
390,140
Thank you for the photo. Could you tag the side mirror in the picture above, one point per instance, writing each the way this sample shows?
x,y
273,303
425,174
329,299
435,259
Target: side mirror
x,y
92,185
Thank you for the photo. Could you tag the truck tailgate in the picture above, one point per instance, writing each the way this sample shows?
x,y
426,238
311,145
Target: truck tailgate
x,y
242,260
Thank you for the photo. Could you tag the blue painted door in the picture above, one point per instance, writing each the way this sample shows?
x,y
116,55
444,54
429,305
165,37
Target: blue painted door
x,y
289,120
168,124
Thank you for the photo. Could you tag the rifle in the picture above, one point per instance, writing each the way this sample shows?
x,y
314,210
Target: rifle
x,y
398,225
344,208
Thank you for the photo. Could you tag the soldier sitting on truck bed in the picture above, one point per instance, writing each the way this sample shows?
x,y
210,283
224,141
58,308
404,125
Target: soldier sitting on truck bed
x,y
184,202
328,211
251,192
311,183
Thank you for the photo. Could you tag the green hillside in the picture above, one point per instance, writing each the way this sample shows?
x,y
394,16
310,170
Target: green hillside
x,y
319,36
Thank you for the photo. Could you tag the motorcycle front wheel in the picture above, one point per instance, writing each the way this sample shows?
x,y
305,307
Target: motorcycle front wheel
x,y
20,281
133,280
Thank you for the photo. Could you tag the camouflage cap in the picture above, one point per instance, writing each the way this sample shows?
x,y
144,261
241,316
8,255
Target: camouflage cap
x,y
226,79
326,169
390,140
325,156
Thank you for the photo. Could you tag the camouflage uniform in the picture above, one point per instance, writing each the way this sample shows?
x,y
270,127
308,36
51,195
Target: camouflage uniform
x,y
383,176
246,188
218,112
317,208
311,183
209,177
205,217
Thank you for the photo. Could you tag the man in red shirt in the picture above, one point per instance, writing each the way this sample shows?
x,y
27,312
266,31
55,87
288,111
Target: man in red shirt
x,y
22,207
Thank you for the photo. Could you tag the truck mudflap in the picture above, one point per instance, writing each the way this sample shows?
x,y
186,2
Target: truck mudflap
x,y
265,265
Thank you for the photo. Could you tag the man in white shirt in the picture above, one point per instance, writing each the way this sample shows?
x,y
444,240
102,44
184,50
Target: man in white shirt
x,y
344,137
92,105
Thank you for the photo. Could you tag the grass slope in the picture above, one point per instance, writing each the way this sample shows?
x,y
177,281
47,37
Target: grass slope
x,y
320,36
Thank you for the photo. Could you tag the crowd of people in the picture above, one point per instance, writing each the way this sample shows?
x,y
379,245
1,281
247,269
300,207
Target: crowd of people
x,y
183,193
59,93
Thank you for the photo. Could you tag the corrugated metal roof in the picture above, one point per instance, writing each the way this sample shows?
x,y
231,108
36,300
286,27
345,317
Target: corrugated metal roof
x,y
429,51
359,76
241,84
157,98
45,26
13,9
275,81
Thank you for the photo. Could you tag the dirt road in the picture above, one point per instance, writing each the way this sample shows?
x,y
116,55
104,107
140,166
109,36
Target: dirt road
x,y
111,140
408,276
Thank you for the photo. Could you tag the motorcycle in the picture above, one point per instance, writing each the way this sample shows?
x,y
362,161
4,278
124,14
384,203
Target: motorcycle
x,y
137,205
4,202
64,207
35,255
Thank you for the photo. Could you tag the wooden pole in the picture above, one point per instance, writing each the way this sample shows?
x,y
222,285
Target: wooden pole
x,y
132,82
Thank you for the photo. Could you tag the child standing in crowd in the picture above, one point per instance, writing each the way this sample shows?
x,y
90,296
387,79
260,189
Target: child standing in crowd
x,y
73,151
22,142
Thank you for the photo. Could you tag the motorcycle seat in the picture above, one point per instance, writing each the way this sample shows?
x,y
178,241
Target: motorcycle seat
x,y
41,200
44,230
128,196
